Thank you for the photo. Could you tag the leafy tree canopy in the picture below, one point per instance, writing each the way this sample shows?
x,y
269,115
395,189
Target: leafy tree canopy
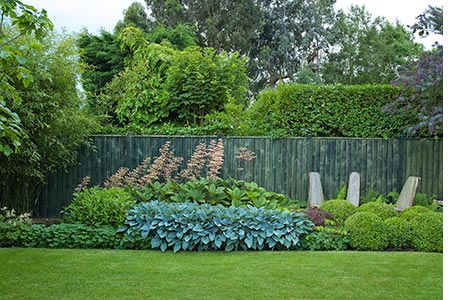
x,y
102,58
369,51
422,81
161,84
135,15
26,20
53,121
277,37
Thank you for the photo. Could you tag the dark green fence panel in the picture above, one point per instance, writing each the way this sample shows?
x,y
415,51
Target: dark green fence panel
x,y
281,165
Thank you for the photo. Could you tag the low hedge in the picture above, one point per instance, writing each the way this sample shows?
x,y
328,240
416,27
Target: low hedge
x,y
70,236
193,226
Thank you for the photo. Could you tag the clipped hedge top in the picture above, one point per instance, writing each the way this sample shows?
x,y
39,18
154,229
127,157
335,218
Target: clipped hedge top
x,y
329,110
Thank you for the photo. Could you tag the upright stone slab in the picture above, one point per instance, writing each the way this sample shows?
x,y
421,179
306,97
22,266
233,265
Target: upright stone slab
x,y
408,192
315,193
353,194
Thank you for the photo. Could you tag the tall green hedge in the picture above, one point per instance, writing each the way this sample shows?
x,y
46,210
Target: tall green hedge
x,y
328,110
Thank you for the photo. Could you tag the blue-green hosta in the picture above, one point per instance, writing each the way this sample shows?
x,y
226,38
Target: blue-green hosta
x,y
193,226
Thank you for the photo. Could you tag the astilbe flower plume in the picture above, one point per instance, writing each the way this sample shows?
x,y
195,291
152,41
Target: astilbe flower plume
x,y
195,164
163,165
83,184
117,179
216,158
246,155
166,165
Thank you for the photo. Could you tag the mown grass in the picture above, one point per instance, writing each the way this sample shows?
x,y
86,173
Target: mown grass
x,y
105,274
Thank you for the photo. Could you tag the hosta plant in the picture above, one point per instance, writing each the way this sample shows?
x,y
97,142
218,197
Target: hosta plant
x,y
193,226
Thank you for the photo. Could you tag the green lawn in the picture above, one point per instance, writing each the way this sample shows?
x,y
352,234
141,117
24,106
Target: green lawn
x,y
106,274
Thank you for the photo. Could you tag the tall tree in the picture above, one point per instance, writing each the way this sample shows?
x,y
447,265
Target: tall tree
x,y
422,80
179,37
102,58
135,15
27,20
224,25
52,119
296,33
368,51
170,13
429,22
279,37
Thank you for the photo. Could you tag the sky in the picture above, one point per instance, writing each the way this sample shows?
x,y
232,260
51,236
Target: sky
x,y
94,15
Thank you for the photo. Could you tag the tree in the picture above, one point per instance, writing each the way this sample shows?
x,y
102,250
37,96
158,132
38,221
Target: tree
x,y
179,37
28,20
170,13
278,37
422,81
53,119
429,22
136,94
102,58
11,132
163,85
135,15
296,33
223,25
202,81
368,51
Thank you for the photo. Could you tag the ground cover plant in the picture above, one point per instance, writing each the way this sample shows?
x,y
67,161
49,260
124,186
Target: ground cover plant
x,y
106,274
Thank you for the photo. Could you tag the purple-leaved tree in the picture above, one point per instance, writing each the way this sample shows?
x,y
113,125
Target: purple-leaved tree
x,y
422,81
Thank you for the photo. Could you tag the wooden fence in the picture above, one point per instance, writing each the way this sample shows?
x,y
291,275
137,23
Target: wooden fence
x,y
281,165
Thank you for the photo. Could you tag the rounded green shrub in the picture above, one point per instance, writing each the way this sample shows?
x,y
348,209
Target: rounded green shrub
x,y
367,231
381,209
99,206
340,209
399,233
427,232
412,212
